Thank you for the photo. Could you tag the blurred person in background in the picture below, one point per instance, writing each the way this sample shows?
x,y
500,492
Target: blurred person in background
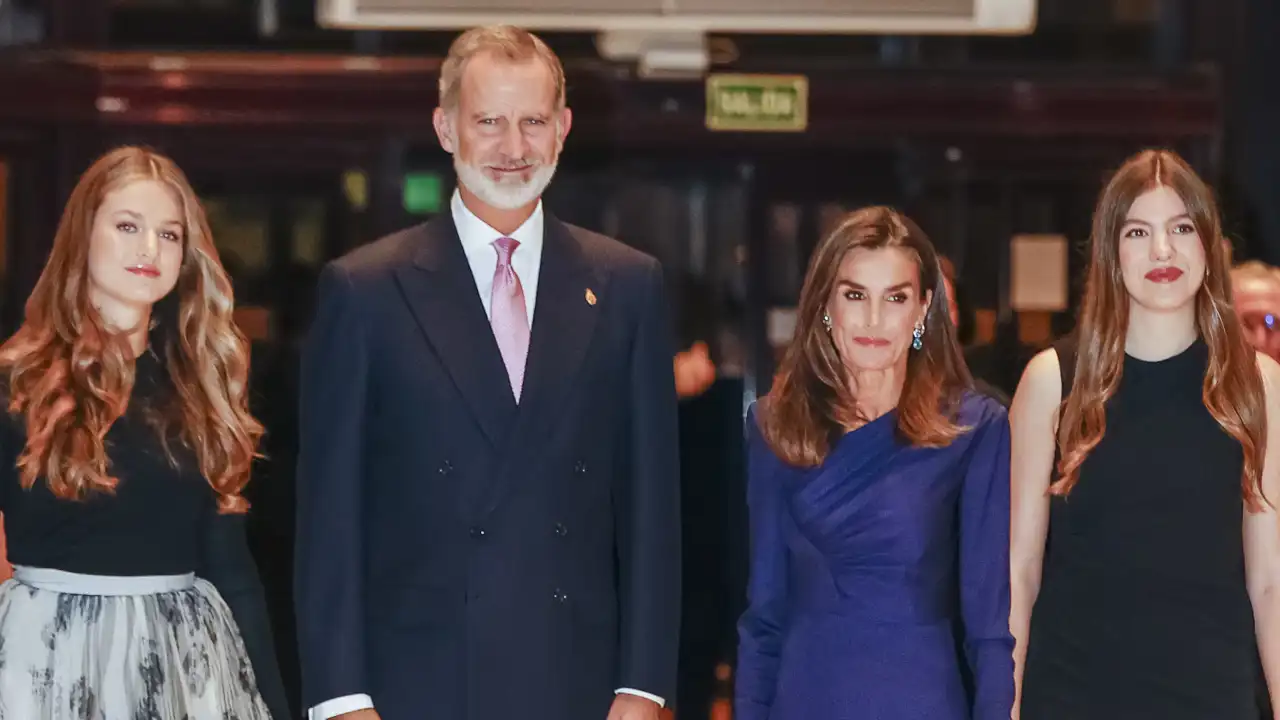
x,y
996,365
1256,291
712,501
273,383
953,301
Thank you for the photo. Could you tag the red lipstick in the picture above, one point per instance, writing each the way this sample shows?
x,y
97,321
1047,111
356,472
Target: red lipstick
x,y
871,341
1164,275
150,271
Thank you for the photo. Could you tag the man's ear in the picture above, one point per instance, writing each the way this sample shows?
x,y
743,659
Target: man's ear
x,y
444,125
563,123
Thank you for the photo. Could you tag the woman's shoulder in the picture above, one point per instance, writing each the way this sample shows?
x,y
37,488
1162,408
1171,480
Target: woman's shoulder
x,y
979,410
758,448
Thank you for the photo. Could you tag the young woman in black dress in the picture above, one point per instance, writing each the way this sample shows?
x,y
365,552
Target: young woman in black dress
x,y
1145,543
125,448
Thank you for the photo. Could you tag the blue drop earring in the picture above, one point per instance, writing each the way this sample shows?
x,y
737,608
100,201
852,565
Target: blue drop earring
x,y
917,336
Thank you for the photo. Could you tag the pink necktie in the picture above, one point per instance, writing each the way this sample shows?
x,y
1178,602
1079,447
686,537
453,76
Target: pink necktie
x,y
510,319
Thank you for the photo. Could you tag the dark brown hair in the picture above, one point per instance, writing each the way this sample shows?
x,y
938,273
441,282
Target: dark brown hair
x,y
1233,391
70,376
811,404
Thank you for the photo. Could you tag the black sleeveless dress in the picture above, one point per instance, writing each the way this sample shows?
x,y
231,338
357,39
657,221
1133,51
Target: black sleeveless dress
x,y
1143,611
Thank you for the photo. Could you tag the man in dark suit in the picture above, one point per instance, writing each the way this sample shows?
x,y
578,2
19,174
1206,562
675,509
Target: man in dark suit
x,y
488,490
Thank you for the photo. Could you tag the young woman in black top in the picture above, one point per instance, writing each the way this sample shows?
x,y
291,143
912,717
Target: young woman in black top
x,y
1146,472
124,452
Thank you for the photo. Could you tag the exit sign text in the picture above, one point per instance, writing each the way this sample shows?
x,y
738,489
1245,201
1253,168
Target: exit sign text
x,y
758,103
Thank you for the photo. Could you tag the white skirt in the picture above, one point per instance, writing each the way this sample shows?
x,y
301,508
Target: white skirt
x,y
90,647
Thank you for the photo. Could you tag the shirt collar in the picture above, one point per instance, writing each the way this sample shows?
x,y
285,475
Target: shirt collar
x,y
477,236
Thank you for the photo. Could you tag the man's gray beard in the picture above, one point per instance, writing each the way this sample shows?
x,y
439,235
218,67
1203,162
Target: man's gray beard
x,y
503,196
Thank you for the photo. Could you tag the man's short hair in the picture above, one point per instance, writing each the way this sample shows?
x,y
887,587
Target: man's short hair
x,y
504,41
1255,270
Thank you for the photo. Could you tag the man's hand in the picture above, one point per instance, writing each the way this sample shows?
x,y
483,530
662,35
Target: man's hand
x,y
358,715
633,707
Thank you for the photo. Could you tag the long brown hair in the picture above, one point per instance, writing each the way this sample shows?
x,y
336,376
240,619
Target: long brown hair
x,y
1233,391
810,403
70,376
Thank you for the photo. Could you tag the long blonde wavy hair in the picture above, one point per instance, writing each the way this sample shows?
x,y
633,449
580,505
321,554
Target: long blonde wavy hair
x,y
70,375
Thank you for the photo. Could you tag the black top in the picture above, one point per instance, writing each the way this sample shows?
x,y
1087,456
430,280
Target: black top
x,y
161,520
1143,610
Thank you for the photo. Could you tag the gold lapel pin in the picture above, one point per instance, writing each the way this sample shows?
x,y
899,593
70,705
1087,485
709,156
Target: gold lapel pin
x,y
591,297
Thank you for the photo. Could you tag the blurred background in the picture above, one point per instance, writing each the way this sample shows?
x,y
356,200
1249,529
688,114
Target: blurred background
x,y
721,137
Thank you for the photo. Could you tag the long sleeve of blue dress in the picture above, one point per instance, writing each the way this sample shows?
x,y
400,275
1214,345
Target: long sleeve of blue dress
x,y
761,629
984,567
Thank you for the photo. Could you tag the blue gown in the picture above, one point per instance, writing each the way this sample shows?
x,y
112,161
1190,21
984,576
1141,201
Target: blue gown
x,y
880,580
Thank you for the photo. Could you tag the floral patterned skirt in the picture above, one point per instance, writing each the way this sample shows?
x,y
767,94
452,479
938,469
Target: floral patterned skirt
x,y
87,647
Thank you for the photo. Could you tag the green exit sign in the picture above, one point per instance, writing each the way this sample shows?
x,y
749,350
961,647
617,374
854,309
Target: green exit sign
x,y
758,103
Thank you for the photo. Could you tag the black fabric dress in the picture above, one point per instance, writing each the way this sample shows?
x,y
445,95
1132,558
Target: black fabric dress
x,y
1143,611
161,520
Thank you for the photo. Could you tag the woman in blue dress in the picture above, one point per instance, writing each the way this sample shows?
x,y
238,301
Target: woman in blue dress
x,y
879,502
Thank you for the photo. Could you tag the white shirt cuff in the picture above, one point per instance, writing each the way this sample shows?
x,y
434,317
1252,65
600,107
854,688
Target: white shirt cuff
x,y
337,706
643,694
351,703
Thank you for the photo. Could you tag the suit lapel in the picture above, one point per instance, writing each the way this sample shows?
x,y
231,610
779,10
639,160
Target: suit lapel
x,y
563,322
564,319
442,294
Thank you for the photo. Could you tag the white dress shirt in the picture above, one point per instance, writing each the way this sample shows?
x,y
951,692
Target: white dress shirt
x,y
477,243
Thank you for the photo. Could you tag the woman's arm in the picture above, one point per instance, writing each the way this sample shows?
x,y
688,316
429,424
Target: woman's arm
x,y
1032,419
984,565
762,627
228,565
1262,542
9,457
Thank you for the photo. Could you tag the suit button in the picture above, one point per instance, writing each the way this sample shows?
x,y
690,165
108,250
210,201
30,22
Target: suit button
x,y
446,467
561,530
477,532
560,596
580,468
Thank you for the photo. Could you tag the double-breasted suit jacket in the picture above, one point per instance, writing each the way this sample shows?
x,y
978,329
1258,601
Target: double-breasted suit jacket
x,y
465,555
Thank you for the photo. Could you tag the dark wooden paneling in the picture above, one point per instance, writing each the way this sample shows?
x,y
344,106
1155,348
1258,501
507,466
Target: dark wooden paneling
x,y
42,89
352,97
